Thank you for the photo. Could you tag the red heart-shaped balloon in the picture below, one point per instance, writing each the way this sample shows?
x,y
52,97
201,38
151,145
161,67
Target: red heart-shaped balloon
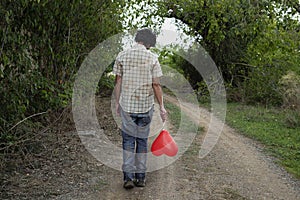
x,y
164,144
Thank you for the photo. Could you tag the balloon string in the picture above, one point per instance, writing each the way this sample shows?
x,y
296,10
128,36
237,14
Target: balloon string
x,y
163,125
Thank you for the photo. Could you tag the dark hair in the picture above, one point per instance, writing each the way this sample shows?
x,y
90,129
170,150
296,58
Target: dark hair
x,y
146,36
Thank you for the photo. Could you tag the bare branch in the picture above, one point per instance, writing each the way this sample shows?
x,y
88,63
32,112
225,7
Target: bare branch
x,y
27,119
244,64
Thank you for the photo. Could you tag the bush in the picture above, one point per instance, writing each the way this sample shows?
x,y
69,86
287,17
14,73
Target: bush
x,y
290,90
292,118
42,46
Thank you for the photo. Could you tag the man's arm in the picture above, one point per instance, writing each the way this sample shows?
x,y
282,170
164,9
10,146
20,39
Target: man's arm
x,y
118,83
159,96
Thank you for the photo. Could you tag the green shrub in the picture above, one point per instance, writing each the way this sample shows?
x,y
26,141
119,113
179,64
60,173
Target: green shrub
x,y
42,46
290,90
292,118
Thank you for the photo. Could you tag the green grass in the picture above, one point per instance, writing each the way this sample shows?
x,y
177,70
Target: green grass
x,y
268,126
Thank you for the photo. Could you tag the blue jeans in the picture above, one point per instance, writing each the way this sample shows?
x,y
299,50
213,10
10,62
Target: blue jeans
x,y
135,132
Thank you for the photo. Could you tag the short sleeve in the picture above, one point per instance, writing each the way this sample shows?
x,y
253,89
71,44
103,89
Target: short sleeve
x,y
117,68
156,71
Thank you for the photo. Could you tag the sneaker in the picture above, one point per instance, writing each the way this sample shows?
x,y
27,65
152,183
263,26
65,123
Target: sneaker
x,y
140,183
128,184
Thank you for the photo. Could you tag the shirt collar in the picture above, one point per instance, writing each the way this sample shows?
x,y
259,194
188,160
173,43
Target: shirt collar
x,y
139,46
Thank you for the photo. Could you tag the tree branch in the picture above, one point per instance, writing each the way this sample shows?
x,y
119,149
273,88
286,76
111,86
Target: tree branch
x,y
26,119
244,64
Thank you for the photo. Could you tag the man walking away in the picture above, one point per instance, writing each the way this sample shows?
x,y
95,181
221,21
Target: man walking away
x,y
137,73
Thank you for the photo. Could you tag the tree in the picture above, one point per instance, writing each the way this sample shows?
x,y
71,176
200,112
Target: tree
x,y
41,48
252,42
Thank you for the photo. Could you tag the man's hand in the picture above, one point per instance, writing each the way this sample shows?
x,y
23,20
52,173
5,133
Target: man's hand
x,y
163,114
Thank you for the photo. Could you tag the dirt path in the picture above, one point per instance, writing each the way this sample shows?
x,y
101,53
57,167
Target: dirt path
x,y
235,169
238,166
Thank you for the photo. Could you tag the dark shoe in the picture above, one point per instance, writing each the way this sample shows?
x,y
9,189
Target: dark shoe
x,y
140,183
128,184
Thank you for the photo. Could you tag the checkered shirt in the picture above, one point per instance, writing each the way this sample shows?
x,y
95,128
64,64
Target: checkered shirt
x,y
137,66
